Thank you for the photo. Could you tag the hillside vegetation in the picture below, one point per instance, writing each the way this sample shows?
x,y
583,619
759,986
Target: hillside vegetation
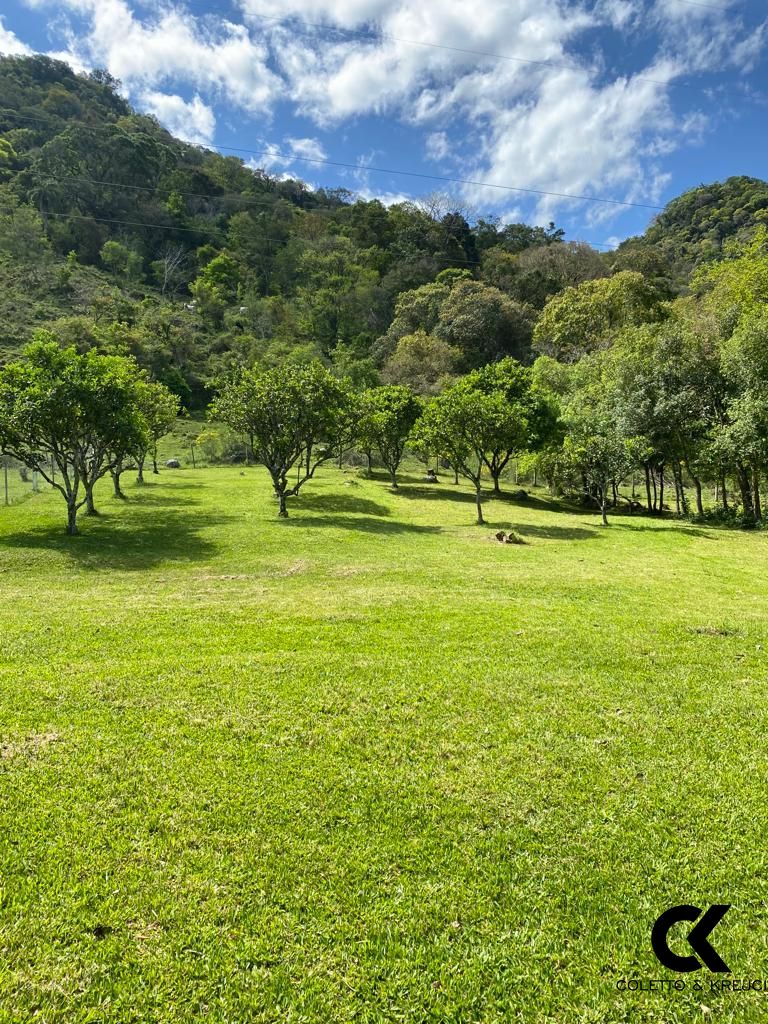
x,y
131,240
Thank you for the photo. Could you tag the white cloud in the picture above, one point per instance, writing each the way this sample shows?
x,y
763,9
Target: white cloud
x,y
348,13
438,145
544,114
213,55
548,117
10,44
286,155
191,121
385,198
310,149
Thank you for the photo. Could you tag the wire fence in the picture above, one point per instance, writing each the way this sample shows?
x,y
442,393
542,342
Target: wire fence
x,y
18,482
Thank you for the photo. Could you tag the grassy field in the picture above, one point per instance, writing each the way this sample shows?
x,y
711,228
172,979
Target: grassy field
x,y
369,765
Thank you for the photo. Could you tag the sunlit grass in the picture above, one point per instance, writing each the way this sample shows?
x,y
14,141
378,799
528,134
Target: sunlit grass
x,y
369,764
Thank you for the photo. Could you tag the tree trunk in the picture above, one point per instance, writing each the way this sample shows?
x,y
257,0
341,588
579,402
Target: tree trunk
x,y
479,506
496,486
603,506
648,486
724,493
456,477
699,501
370,463
90,508
72,530
756,494
283,509
140,475
684,506
535,478
746,491
615,494
115,474
154,463
661,488
393,478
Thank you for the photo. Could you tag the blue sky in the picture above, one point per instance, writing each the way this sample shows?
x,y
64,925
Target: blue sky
x,y
632,100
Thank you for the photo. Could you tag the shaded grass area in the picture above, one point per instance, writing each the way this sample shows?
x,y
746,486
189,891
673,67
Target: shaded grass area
x,y
389,770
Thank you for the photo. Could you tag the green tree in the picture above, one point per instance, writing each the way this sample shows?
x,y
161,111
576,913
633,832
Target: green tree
x,y
295,416
388,416
69,416
484,323
121,260
421,362
465,426
586,318
601,455
530,417
160,408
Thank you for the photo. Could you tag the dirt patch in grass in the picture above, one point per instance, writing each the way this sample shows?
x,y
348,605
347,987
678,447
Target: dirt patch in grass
x,y
29,746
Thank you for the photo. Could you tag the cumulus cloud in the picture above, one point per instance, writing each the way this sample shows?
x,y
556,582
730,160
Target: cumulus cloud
x,y
192,121
210,54
505,90
543,114
309,149
9,43
292,150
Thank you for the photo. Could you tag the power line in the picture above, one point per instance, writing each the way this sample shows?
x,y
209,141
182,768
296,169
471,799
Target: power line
x,y
197,195
446,178
228,198
289,158
221,233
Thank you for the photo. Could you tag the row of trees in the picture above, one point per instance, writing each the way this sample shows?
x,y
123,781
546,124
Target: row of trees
x,y
75,417
675,391
682,397
298,417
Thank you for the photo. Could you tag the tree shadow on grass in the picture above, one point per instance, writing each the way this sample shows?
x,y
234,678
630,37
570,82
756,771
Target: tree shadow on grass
x,y
364,524
139,499
348,503
437,491
540,504
556,532
649,523
126,543
491,500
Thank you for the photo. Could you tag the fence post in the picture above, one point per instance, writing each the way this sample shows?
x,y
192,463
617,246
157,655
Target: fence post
x,y
5,476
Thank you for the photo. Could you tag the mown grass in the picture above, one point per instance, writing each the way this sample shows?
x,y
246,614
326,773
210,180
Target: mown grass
x,y
368,764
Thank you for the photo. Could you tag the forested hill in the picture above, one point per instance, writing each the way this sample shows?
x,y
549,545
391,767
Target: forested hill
x,y
118,235
694,227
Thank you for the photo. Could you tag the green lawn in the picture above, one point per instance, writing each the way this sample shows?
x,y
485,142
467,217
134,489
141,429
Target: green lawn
x,y
369,765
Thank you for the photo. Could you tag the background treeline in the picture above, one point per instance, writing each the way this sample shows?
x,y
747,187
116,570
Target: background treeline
x,y
119,239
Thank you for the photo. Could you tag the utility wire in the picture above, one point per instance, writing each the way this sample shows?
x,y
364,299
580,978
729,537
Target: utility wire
x,y
221,233
289,158
197,195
